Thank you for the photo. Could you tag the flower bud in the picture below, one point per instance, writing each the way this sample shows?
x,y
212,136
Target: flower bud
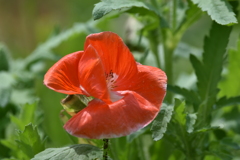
x,y
74,103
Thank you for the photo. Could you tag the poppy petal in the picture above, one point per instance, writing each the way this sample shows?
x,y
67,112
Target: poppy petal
x,y
151,83
92,76
63,75
125,116
115,56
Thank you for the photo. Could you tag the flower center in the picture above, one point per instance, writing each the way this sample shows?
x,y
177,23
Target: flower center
x,y
111,80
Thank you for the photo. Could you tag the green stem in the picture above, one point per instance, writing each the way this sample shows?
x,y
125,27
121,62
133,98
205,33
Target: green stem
x,y
105,149
156,54
174,15
154,46
168,46
140,149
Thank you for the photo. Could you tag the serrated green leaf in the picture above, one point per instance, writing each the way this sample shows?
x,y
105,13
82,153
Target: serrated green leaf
x,y
180,113
209,71
219,10
189,95
4,59
30,142
106,6
159,125
224,101
132,6
213,56
190,122
74,152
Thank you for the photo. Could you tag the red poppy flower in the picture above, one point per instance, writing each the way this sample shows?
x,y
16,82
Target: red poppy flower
x,y
127,95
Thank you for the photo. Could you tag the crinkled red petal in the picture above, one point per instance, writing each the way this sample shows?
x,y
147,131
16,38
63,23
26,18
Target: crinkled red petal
x,y
63,76
92,76
99,120
115,57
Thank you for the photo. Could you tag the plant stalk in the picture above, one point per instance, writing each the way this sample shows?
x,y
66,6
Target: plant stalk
x,y
105,149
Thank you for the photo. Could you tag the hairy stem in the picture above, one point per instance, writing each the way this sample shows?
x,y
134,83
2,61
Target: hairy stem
x,y
105,149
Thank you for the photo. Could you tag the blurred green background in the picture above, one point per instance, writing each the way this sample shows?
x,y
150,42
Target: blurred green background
x,y
27,24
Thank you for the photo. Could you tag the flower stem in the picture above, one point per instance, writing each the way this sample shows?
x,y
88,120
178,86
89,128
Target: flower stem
x,y
105,149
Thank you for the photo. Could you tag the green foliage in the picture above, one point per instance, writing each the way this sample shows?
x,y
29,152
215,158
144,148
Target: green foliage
x,y
190,122
209,71
26,116
192,13
106,6
230,85
178,130
219,10
74,152
29,141
190,95
222,102
160,123
5,94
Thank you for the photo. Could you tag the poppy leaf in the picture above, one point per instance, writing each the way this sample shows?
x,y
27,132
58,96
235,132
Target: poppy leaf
x,y
208,71
190,121
74,152
180,113
189,95
29,141
106,6
224,101
219,10
223,148
159,125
